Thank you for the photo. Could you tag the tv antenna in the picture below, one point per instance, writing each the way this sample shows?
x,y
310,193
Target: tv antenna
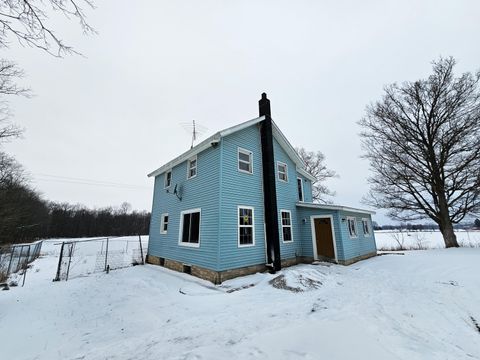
x,y
195,129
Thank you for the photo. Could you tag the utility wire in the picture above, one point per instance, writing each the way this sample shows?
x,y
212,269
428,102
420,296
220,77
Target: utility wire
x,y
83,181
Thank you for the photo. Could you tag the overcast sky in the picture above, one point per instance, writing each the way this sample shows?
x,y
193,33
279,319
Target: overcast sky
x,y
115,114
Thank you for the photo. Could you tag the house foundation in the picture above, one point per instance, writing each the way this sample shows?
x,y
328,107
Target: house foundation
x,y
217,277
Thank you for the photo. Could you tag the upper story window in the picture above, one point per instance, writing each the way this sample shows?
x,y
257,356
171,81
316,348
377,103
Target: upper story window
x,y
168,179
366,227
246,226
300,189
245,161
190,228
164,224
282,170
286,226
192,168
352,227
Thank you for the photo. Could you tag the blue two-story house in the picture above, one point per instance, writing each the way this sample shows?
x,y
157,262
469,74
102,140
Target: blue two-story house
x,y
241,202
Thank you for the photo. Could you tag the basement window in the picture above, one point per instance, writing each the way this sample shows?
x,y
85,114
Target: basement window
x,y
282,170
245,161
190,228
164,224
286,226
366,227
352,227
246,227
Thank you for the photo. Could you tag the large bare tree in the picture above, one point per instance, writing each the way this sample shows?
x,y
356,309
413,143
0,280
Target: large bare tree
x,y
28,22
423,143
315,165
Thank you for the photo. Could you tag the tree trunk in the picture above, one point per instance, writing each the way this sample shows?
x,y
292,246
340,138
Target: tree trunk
x,y
449,236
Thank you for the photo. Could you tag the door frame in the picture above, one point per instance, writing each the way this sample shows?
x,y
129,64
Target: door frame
x,y
314,236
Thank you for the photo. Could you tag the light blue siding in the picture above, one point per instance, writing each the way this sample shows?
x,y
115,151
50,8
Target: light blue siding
x,y
347,248
202,192
238,189
287,197
220,188
360,245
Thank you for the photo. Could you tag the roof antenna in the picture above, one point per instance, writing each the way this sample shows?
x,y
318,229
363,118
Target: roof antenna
x,y
195,129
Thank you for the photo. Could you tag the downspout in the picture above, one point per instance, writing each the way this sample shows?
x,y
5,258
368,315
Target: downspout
x,y
269,186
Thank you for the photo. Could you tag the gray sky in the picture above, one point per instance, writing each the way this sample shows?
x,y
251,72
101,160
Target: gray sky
x,y
114,115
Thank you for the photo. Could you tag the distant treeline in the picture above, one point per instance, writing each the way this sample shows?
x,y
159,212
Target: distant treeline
x,y
25,216
420,227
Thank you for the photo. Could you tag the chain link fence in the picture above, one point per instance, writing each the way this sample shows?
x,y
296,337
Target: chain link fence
x,y
14,258
79,258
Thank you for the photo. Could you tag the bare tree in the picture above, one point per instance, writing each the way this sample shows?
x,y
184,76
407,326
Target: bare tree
x,y
27,21
423,143
315,165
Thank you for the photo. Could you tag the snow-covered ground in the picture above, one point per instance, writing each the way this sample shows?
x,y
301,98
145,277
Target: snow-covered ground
x,y
391,240
420,305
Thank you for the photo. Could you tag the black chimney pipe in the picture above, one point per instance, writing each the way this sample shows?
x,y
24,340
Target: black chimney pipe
x,y
269,185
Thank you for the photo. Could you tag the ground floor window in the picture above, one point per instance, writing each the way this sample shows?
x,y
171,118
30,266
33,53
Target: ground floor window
x,y
352,227
164,224
190,227
366,227
286,225
246,228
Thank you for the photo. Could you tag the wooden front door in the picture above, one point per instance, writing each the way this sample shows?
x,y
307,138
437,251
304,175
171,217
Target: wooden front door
x,y
324,238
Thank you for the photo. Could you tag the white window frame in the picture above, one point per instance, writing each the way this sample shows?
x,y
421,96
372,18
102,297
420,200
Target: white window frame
x,y
246,152
239,226
180,231
165,180
366,221
162,223
303,192
189,168
356,227
286,171
284,226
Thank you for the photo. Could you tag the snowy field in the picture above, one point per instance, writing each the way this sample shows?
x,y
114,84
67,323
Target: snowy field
x,y
391,240
420,305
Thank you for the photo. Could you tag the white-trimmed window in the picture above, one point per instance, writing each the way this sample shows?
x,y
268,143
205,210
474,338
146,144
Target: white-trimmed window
x,y
352,227
192,168
300,189
246,226
164,223
366,227
190,227
282,171
168,179
245,163
286,217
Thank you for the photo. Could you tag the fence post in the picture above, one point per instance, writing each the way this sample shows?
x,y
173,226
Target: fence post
x,y
25,266
141,248
12,249
70,253
59,267
106,255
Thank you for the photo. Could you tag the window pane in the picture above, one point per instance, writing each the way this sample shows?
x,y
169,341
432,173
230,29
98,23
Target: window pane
x,y
195,227
246,235
245,217
186,228
193,163
244,157
244,166
287,234
193,172
286,218
300,189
